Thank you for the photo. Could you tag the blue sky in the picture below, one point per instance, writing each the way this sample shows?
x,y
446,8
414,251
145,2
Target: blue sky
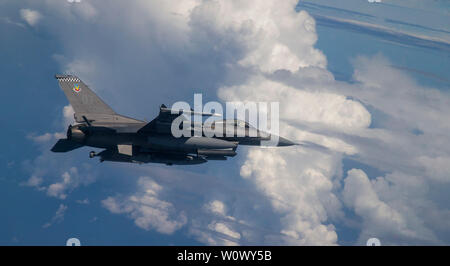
x,y
379,72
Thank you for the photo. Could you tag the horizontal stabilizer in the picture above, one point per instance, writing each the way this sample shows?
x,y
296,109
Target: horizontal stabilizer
x,y
65,145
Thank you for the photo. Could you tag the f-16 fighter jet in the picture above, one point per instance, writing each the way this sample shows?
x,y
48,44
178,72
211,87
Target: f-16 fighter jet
x,y
126,139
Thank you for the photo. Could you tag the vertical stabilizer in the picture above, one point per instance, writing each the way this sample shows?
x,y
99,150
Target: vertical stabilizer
x,y
82,99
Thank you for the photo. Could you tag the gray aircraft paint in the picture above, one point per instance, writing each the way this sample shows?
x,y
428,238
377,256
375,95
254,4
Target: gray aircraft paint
x,y
130,140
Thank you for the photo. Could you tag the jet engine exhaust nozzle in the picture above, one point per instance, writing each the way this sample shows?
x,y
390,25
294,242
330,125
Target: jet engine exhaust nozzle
x,y
75,134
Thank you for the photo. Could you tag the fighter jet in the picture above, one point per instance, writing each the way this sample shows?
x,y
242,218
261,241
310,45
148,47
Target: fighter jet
x,y
130,140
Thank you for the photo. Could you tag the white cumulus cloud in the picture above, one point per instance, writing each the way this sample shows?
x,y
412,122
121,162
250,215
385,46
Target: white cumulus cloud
x,y
146,209
30,16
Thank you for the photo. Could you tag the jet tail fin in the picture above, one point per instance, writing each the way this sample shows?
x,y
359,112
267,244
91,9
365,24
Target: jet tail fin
x,y
88,107
65,145
82,99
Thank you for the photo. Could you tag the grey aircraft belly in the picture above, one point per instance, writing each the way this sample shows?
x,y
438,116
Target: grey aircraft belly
x,y
130,140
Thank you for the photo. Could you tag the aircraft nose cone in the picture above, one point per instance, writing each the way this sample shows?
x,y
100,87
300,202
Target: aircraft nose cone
x,y
284,142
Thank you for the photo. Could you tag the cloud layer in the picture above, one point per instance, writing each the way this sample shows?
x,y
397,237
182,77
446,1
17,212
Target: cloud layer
x,y
146,209
261,51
